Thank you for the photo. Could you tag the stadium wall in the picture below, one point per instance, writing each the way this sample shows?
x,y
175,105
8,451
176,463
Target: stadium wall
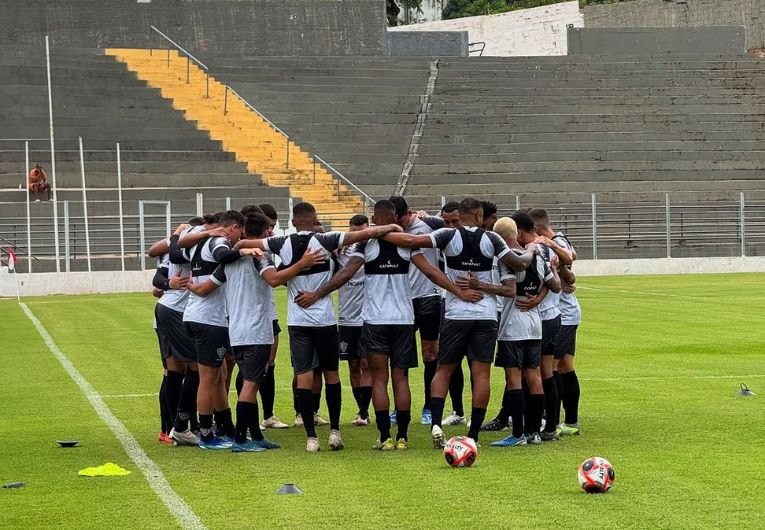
x,y
431,43
682,13
50,283
526,32
263,27
647,41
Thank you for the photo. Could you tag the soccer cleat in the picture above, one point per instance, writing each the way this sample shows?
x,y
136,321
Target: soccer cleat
x,y
265,443
274,423
216,444
387,445
494,426
569,429
393,418
549,436
165,439
509,441
533,439
312,445
360,422
184,437
246,447
427,417
319,421
298,420
335,441
402,445
454,419
438,437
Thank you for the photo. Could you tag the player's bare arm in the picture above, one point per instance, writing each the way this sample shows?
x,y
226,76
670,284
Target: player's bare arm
x,y
532,301
307,299
435,275
471,281
202,289
566,256
192,238
409,240
372,232
519,262
275,278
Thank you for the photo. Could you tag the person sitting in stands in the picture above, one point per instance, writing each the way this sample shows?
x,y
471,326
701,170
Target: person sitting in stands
x,y
38,182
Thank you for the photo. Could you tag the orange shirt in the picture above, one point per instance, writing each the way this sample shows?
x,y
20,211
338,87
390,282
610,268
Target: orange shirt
x,y
36,175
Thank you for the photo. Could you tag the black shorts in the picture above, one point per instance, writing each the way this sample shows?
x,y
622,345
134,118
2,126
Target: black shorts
x,y
179,342
565,341
549,332
164,347
519,354
314,347
210,343
277,327
474,339
427,316
394,340
349,342
252,361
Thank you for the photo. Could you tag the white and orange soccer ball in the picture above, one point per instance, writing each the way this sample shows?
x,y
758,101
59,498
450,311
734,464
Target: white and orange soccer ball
x,y
461,451
596,475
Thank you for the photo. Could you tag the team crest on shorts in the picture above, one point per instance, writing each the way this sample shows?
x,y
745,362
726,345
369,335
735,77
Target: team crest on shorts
x,y
221,352
343,346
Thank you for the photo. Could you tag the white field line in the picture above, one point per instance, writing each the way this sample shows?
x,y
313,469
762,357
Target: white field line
x,y
154,476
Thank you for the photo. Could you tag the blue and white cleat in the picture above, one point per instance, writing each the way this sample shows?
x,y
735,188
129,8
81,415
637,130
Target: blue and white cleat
x,y
216,444
393,417
510,441
247,447
427,417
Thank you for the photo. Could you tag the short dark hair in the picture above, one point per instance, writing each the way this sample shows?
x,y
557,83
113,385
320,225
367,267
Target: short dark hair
x,y
196,221
384,205
540,216
269,211
302,209
450,207
523,221
232,217
250,209
489,209
402,207
255,224
359,220
212,218
469,205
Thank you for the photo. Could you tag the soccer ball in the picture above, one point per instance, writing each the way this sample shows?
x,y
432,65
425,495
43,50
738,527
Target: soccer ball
x,y
596,475
460,451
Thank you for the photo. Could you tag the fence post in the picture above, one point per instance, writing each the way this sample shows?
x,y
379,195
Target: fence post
x,y
314,169
119,199
207,84
188,68
742,207
52,158
338,189
225,100
443,201
288,151
141,236
228,203
85,205
200,205
594,228
67,257
290,204
668,222
29,213
168,55
517,202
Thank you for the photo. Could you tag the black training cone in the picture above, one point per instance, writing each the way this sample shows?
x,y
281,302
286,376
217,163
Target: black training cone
x,y
745,392
289,489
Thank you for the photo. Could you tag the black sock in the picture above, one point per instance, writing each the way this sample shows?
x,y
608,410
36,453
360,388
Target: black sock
x,y
383,424
224,422
456,387
366,400
515,406
173,389
550,401
504,411
305,405
477,416
239,382
187,405
254,425
571,392
316,402
295,400
403,417
559,389
206,427
334,398
267,392
535,403
243,419
437,410
357,395
427,375
163,412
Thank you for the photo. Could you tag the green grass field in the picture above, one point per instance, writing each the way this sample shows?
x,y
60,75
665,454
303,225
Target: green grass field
x,y
660,360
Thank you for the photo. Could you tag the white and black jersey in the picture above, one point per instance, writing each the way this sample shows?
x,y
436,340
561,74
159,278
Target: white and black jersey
x,y
290,249
548,308
420,285
387,292
176,299
248,300
350,297
518,325
469,249
570,311
210,310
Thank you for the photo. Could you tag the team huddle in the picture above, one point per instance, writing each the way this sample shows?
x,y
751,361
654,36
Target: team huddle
x,y
493,290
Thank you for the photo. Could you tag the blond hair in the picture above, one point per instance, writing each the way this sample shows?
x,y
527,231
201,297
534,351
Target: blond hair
x,y
506,228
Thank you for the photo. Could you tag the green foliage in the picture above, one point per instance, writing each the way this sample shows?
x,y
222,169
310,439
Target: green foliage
x,y
394,7
470,8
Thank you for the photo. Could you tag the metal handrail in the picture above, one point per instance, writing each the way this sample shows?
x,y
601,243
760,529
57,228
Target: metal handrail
x,y
189,57
367,198
482,44
181,48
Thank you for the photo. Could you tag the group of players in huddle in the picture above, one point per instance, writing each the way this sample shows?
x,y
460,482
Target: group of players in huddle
x,y
492,290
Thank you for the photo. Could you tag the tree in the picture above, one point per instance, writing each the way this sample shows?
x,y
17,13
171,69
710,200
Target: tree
x,y
470,8
394,7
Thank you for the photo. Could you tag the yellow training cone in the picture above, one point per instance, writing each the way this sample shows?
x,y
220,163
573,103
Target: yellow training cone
x,y
106,470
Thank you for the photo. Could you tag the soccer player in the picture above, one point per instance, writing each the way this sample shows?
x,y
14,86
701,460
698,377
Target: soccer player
x,y
426,297
564,373
450,213
350,301
468,329
313,330
205,319
387,336
248,294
